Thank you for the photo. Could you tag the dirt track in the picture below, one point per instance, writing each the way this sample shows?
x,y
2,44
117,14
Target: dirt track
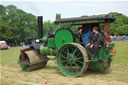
x,y
14,76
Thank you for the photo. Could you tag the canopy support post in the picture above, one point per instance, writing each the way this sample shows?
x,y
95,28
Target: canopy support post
x,y
109,33
104,34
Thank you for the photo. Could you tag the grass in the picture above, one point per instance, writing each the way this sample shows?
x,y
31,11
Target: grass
x,y
117,72
7,82
10,57
119,67
122,52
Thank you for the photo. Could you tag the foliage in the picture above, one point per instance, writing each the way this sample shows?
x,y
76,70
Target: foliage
x,y
58,16
2,10
16,25
49,27
117,72
8,33
120,26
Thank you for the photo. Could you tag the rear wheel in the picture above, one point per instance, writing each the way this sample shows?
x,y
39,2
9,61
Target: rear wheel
x,y
72,59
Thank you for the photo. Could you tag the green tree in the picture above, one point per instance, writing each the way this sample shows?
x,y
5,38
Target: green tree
x,y
58,16
2,10
119,27
49,27
25,23
8,33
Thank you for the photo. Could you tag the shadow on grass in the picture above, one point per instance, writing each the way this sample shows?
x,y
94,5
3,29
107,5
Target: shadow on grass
x,y
50,67
96,72
57,71
54,70
87,73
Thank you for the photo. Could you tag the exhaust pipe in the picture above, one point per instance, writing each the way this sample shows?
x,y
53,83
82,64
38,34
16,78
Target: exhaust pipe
x,y
40,26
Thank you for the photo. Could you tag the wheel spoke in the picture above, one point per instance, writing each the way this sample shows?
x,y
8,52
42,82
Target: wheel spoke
x,y
67,67
80,62
70,68
64,57
74,51
67,51
78,54
77,67
71,59
66,64
79,58
64,61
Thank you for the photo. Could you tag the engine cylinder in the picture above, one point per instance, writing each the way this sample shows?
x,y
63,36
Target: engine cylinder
x,y
44,50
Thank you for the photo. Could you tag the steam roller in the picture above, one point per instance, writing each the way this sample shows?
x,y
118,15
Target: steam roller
x,y
32,60
35,55
68,47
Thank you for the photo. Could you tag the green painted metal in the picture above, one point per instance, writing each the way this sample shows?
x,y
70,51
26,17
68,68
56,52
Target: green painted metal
x,y
44,50
68,24
51,42
103,55
98,65
110,46
100,21
77,40
45,39
25,68
63,36
71,60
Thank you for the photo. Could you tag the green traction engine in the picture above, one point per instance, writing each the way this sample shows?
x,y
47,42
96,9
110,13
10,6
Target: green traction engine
x,y
68,48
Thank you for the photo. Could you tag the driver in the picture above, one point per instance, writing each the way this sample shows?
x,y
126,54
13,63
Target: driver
x,y
85,32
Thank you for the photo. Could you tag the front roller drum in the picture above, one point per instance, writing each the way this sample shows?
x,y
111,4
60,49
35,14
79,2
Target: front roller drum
x,y
72,59
32,61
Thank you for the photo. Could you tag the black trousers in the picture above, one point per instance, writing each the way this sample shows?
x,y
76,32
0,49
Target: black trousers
x,y
92,52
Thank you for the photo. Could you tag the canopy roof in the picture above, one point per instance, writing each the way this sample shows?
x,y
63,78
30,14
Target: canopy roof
x,y
88,19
